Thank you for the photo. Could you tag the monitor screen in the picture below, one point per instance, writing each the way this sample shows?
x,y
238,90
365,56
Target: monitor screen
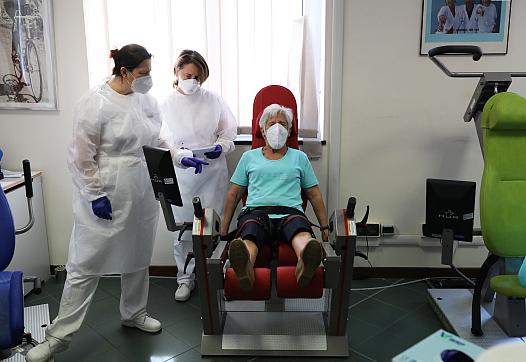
x,y
450,205
162,174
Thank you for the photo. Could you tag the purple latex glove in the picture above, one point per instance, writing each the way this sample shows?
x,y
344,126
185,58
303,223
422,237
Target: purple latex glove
x,y
194,162
102,208
215,153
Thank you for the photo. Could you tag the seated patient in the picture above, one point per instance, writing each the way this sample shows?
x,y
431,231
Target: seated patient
x,y
274,175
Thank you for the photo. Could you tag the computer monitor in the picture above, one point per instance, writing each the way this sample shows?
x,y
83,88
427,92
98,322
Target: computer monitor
x,y
164,182
162,174
450,205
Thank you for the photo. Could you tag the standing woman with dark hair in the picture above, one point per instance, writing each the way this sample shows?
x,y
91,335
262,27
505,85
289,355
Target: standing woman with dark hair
x,y
115,213
197,119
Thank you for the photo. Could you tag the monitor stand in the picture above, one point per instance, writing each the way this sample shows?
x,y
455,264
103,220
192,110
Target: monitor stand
x,y
167,212
448,246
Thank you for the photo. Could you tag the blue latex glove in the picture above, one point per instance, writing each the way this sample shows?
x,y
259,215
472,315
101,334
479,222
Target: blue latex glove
x,y
194,162
102,208
215,153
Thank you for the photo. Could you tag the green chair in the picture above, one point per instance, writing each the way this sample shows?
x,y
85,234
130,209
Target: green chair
x,y
503,210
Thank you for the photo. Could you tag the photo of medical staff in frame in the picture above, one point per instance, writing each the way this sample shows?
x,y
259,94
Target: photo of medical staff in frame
x,y
484,23
27,59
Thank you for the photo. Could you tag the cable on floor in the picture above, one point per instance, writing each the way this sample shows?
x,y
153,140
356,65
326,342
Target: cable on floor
x,y
399,284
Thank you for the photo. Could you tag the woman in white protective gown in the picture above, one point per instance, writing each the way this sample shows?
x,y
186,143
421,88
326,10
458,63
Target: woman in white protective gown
x,y
198,120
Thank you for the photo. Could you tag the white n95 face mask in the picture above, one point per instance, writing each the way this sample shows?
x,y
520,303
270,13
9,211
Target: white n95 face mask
x,y
188,86
277,136
142,84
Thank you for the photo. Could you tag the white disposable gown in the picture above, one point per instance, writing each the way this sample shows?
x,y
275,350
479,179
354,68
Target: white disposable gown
x,y
196,121
453,21
469,24
488,20
105,158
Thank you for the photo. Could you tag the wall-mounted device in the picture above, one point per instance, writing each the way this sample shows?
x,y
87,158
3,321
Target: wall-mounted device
x,y
372,230
388,230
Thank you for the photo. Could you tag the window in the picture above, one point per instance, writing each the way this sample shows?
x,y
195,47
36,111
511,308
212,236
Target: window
x,y
248,44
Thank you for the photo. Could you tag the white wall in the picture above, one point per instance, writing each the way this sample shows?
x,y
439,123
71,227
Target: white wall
x,y
401,123
42,136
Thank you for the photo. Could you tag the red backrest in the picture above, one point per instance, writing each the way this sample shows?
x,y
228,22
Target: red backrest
x,y
275,94
269,95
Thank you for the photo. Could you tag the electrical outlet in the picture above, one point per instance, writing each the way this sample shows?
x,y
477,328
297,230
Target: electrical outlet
x,y
388,230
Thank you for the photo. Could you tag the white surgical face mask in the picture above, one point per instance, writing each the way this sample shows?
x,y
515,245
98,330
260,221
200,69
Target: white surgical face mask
x,y
277,136
188,86
142,84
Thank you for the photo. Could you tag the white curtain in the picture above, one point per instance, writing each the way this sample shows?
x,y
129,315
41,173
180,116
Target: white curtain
x,y
302,78
247,44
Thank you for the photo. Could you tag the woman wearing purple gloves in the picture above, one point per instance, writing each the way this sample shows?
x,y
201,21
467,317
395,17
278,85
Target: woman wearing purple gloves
x,y
201,121
115,213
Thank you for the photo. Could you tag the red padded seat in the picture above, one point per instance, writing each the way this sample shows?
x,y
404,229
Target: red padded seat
x,y
286,255
287,287
260,290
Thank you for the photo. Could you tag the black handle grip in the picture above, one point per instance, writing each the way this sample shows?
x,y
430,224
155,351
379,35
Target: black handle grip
x,y
351,205
198,209
365,218
27,179
457,50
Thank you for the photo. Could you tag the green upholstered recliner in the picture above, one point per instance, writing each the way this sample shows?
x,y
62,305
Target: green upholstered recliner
x,y
503,205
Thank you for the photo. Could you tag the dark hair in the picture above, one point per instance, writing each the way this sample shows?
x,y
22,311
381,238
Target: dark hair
x,y
192,57
129,57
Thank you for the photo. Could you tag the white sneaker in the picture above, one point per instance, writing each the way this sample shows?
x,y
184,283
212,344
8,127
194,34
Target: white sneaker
x,y
44,351
146,324
182,294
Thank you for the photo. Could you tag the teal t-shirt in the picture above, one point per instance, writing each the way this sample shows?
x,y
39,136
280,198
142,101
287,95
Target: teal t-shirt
x,y
274,182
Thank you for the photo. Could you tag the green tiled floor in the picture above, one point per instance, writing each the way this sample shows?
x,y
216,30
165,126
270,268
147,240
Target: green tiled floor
x,y
382,323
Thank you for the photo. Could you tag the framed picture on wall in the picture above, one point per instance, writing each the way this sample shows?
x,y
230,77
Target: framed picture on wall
x,y
484,23
27,59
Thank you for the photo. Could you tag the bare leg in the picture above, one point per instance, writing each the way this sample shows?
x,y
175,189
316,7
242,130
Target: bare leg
x,y
299,241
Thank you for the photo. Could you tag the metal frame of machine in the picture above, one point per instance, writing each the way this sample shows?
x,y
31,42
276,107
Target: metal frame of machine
x,y
297,324
211,255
